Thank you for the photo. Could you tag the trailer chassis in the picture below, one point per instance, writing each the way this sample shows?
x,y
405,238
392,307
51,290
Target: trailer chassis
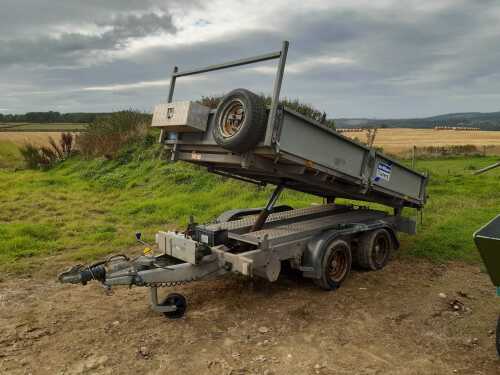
x,y
253,245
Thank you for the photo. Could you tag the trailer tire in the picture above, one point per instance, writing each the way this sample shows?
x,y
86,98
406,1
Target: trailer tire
x,y
240,121
336,265
179,301
374,249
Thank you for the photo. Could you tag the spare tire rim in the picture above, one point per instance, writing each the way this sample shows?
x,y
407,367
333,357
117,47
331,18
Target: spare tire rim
x,y
232,118
380,249
338,264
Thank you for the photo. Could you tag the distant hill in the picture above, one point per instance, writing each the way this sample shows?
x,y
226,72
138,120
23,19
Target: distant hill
x,y
484,121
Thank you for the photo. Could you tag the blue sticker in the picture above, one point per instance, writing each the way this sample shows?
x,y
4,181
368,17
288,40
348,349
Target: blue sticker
x,y
383,172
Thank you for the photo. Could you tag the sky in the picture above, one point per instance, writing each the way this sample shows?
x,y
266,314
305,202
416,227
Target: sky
x,y
366,58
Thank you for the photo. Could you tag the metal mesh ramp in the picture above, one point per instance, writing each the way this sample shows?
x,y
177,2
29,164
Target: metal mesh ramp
x,y
276,217
313,225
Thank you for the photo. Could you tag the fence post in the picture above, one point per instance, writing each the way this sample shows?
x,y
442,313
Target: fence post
x,y
413,156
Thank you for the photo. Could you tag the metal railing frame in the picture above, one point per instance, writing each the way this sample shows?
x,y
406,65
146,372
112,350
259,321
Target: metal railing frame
x,y
278,79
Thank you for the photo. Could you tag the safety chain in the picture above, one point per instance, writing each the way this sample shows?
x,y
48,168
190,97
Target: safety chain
x,y
167,284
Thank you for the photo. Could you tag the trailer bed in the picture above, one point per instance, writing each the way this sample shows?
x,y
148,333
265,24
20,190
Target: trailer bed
x,y
288,231
311,158
283,147
302,223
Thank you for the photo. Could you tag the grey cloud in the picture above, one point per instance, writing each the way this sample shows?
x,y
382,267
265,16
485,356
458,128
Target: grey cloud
x,y
69,47
406,62
132,26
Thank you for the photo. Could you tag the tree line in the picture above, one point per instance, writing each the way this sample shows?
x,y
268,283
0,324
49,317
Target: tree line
x,y
52,117
210,101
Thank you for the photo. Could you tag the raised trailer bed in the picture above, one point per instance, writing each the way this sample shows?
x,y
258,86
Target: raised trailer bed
x,y
283,145
246,140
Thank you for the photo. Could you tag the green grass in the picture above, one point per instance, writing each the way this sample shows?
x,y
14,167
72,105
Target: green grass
x,y
81,210
459,204
10,157
43,127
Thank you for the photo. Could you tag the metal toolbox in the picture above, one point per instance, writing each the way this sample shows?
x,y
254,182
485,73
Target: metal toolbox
x,y
180,247
181,117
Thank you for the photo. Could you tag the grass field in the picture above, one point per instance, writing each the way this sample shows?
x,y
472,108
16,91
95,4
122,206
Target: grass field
x,y
400,141
81,210
10,157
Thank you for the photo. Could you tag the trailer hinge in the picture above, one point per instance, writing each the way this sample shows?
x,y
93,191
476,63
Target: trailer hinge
x,y
278,125
367,170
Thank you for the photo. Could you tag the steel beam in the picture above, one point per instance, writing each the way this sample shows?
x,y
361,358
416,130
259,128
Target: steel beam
x,y
230,64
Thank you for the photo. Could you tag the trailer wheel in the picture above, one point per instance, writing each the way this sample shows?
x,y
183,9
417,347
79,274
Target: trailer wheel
x,y
374,250
179,301
240,121
335,265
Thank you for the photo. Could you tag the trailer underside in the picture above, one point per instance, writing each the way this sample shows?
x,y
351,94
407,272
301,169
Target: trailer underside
x,y
210,250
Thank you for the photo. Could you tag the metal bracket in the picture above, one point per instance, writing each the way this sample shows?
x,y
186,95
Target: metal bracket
x,y
278,80
367,170
261,219
247,160
153,295
278,125
281,55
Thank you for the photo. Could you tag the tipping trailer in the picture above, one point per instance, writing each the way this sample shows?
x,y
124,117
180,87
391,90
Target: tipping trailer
x,y
247,140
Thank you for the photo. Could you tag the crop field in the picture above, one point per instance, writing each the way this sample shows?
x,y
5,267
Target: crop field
x,y
18,134
400,141
20,138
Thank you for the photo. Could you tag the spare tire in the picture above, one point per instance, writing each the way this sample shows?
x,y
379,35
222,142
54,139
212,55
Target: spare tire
x,y
240,121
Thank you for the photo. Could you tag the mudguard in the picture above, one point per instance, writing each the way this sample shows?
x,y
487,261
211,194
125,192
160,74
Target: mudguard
x,y
313,255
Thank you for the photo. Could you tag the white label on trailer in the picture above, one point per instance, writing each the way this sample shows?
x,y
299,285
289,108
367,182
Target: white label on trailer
x,y
384,169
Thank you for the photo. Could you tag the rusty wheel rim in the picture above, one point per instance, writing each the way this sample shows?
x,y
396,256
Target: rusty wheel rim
x,y
380,249
232,118
338,264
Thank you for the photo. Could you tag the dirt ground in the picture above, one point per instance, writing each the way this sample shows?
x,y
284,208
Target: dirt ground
x,y
411,318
